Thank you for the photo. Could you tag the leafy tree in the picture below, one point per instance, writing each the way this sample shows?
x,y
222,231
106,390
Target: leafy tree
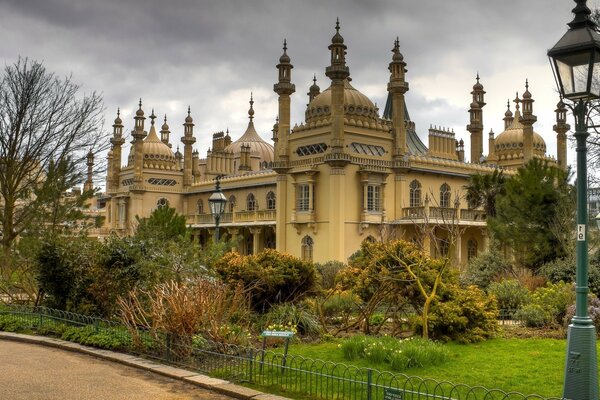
x,y
484,189
163,224
43,123
535,214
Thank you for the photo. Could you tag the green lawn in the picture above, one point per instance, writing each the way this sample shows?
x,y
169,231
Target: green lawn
x,y
523,365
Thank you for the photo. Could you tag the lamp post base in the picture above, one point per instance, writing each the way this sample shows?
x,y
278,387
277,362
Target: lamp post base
x,y
581,368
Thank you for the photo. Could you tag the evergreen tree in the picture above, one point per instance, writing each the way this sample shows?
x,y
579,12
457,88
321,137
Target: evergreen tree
x,y
534,214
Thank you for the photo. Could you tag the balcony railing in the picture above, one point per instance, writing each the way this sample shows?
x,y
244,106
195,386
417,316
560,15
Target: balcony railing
x,y
234,217
442,213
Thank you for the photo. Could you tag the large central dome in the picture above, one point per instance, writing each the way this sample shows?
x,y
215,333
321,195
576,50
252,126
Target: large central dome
x,y
509,144
356,105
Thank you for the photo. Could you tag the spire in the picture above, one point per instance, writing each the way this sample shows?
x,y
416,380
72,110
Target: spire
x,y
164,132
314,90
284,67
251,110
152,117
508,116
337,70
397,66
517,100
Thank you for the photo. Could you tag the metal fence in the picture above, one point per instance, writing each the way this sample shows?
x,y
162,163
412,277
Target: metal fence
x,y
291,375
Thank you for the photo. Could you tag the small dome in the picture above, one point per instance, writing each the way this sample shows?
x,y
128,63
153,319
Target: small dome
x,y
156,152
337,38
118,120
477,86
475,105
511,140
140,112
165,126
355,103
189,119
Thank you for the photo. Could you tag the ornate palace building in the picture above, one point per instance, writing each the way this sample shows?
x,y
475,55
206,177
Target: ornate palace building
x,y
346,174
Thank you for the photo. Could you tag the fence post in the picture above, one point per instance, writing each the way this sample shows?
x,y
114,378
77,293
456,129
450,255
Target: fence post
x,y
251,366
96,325
369,383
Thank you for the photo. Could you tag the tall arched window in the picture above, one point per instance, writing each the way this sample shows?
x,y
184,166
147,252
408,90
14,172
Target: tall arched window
x,y
471,249
306,249
270,201
200,206
415,193
231,203
444,247
251,203
445,196
162,202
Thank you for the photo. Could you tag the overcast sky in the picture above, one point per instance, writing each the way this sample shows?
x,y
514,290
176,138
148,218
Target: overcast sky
x,y
211,54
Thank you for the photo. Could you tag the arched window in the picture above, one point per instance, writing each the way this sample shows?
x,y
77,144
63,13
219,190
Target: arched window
x,y
306,249
270,201
415,193
251,203
471,249
444,247
200,206
162,202
445,196
231,203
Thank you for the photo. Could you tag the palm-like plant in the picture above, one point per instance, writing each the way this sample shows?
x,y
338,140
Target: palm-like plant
x,y
483,189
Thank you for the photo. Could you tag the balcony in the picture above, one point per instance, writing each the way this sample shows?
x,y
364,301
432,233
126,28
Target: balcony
x,y
237,217
443,215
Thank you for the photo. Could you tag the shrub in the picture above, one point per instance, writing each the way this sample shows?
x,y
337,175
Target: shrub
x,y
563,269
482,270
466,315
269,277
329,272
548,305
298,317
593,311
340,305
510,294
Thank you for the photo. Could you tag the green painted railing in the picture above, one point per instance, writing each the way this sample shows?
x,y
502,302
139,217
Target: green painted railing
x,y
297,376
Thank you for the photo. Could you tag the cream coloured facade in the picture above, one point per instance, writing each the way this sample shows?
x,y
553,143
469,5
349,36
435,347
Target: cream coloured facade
x,y
345,174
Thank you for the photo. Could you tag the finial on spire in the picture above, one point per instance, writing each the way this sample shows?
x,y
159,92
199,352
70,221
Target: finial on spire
x,y
526,84
140,102
477,77
152,117
508,104
251,110
517,101
337,24
165,120
315,79
284,45
189,111
118,112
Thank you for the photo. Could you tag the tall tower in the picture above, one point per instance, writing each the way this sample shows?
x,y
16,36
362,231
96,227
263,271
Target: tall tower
x,y
138,134
508,116
89,182
561,128
397,87
164,132
284,88
188,140
281,130
314,90
475,126
527,119
114,167
491,148
337,71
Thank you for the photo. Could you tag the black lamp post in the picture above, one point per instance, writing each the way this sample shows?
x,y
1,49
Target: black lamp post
x,y
575,61
217,202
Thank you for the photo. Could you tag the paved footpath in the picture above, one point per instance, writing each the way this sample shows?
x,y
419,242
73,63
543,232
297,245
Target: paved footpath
x,y
29,371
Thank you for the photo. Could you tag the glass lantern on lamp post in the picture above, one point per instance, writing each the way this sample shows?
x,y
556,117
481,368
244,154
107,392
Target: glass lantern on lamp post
x,y
575,61
217,202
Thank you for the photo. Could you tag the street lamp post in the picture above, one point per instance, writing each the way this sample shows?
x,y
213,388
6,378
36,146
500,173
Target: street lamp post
x,y
217,202
575,59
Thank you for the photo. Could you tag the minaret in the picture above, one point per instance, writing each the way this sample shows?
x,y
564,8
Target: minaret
x,y
527,120
89,183
475,126
337,71
188,140
397,87
508,116
138,134
114,167
164,132
491,148
561,128
314,90
284,88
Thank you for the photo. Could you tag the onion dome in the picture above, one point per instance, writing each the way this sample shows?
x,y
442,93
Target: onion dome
x,y
314,87
157,154
165,126
189,118
251,139
140,112
526,94
337,38
508,113
284,59
509,144
118,120
396,50
477,85
357,106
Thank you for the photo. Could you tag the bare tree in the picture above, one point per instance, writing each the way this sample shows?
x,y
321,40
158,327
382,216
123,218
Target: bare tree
x,y
44,121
